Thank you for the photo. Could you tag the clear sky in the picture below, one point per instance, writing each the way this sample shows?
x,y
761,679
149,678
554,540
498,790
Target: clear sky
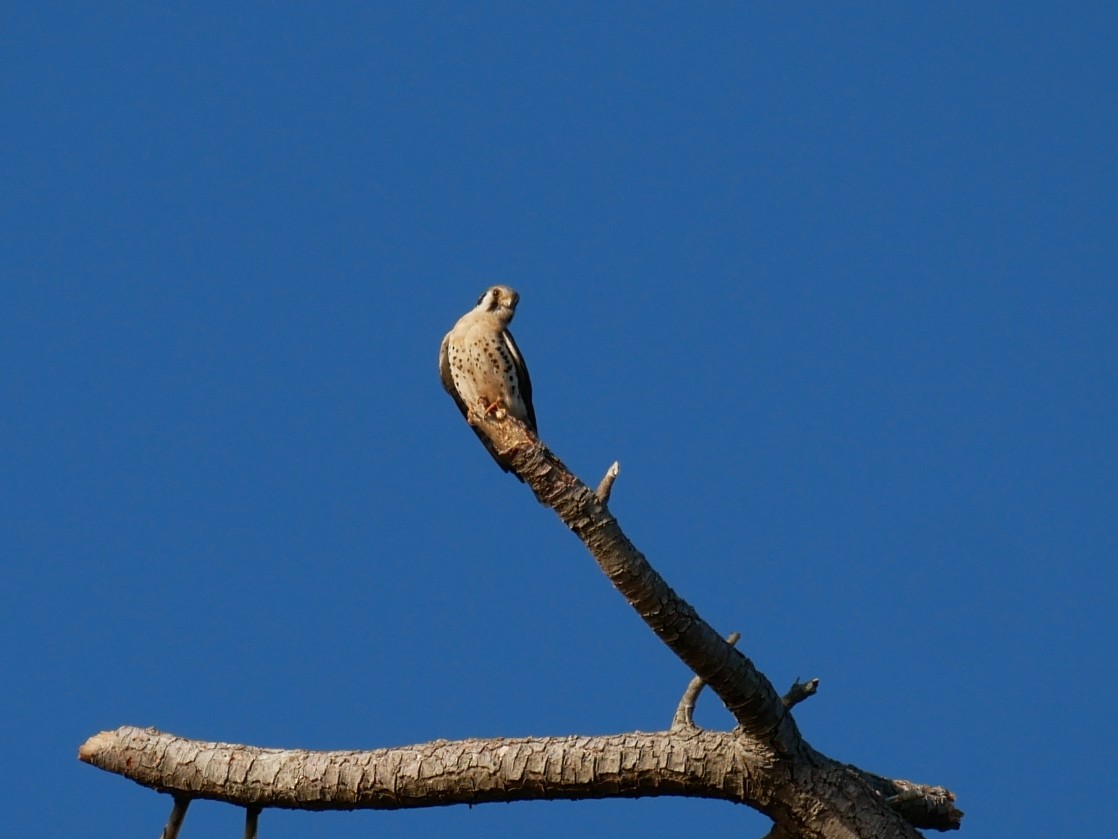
x,y
836,285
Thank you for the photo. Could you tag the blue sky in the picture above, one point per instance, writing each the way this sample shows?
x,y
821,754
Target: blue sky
x,y
836,285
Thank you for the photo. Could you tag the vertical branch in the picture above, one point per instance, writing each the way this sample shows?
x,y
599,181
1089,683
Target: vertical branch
x,y
174,821
252,817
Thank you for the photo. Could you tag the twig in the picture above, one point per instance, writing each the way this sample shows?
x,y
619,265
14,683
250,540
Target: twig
x,y
799,692
606,486
252,818
174,822
685,711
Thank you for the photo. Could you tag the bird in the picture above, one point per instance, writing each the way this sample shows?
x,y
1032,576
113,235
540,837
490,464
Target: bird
x,y
482,369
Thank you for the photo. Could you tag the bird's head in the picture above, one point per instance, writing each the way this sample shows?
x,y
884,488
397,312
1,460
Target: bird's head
x,y
499,300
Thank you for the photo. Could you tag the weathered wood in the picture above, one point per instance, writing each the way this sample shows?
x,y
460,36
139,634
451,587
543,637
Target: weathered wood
x,y
747,694
705,764
764,763
695,763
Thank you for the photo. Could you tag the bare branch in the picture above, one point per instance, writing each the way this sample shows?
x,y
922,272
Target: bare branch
x,y
747,694
685,712
175,820
799,692
693,763
606,486
764,763
921,804
252,822
716,765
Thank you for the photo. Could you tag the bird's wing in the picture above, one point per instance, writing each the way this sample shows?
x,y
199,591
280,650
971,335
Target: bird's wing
x,y
448,377
523,380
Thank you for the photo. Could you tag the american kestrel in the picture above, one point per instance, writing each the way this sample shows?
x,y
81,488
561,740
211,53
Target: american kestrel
x,y
481,366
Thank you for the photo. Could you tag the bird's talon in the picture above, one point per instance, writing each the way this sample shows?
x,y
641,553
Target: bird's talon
x,y
495,410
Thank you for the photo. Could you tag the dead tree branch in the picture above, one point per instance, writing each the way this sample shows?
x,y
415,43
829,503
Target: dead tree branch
x,y
700,764
605,486
764,762
800,691
748,695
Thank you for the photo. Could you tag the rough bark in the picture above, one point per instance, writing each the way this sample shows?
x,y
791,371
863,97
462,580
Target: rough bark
x,y
705,764
764,763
